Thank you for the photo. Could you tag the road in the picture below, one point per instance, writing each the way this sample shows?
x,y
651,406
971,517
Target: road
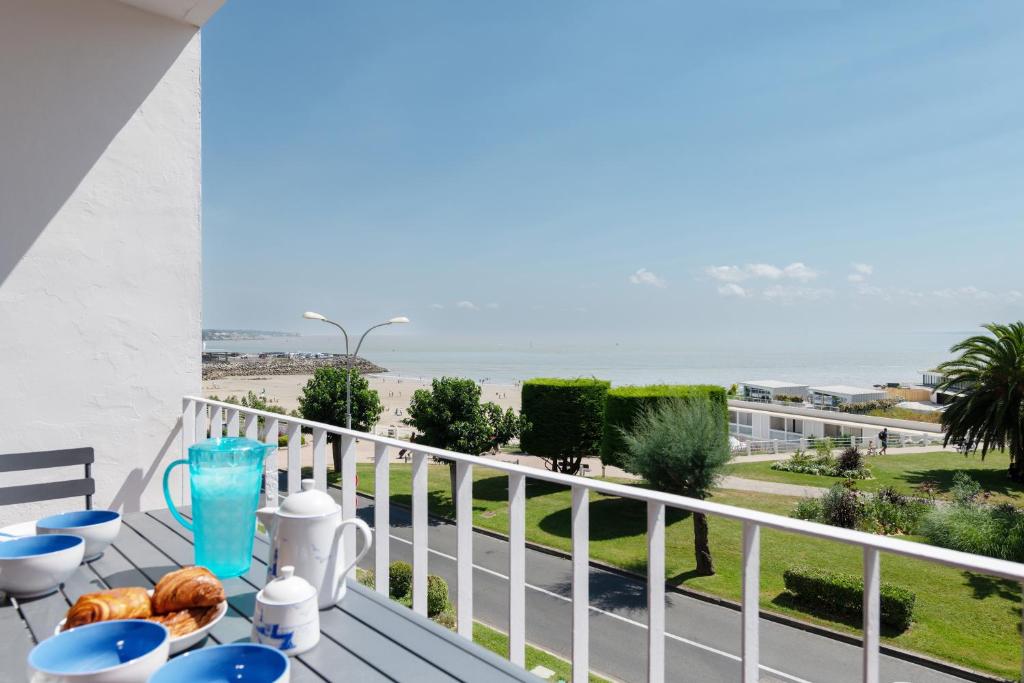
x,y
702,639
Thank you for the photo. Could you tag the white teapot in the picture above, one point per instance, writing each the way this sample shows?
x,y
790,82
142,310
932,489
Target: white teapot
x,y
306,533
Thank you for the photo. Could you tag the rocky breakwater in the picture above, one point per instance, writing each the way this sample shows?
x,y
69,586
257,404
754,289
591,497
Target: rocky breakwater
x,y
247,366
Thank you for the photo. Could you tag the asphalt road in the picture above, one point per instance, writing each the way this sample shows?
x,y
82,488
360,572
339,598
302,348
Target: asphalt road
x,y
702,642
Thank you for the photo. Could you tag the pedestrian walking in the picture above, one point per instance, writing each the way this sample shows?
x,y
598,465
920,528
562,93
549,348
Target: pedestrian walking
x,y
883,438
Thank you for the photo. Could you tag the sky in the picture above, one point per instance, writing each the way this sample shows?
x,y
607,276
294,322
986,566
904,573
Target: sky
x,y
786,172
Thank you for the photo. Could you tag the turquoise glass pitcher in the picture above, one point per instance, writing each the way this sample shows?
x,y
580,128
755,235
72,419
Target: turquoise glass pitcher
x,y
224,477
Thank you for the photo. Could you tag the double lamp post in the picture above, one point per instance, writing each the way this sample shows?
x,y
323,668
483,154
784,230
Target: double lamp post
x,y
310,315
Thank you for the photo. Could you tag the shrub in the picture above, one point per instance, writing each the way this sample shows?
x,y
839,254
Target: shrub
x,y
850,459
844,594
808,509
399,580
841,506
625,404
890,512
824,448
566,419
984,530
865,407
964,489
437,595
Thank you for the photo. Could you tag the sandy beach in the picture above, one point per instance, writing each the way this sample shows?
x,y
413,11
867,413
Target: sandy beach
x,y
395,393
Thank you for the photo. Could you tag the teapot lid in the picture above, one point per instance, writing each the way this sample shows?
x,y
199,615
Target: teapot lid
x,y
309,502
287,589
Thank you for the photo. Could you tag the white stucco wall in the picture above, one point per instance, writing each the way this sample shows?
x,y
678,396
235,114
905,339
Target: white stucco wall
x,y
100,240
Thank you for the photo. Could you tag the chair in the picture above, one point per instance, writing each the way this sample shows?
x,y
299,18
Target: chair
x,y
51,490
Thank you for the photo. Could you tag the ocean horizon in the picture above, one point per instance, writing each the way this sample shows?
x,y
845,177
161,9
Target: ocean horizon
x,y
627,363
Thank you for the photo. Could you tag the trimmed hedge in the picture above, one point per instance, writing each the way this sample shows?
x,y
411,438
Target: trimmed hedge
x,y
566,416
624,404
844,593
399,580
437,595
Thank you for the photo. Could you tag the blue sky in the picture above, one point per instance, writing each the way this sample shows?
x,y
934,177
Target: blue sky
x,y
666,170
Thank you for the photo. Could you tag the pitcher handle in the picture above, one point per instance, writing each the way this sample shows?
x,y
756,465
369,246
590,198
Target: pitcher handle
x,y
167,495
364,528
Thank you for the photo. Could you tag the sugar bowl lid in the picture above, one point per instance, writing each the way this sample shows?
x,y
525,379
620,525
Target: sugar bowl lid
x,y
286,589
309,502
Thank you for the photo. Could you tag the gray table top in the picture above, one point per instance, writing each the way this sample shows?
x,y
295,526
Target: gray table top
x,y
364,638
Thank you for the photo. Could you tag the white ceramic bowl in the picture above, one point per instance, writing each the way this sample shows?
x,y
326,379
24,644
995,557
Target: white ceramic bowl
x,y
98,528
178,643
37,565
124,651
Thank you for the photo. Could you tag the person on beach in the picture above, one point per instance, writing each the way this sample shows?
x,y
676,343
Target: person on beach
x,y
883,438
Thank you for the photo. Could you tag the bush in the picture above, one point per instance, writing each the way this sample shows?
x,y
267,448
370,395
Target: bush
x,y
625,404
964,489
844,594
890,512
850,459
437,595
566,419
399,580
848,465
980,529
824,448
841,506
808,509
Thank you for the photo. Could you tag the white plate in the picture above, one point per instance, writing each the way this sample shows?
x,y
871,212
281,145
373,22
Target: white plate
x,y
180,643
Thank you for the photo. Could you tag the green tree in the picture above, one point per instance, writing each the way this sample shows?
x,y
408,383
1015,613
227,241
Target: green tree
x,y
323,400
988,376
449,415
680,446
566,419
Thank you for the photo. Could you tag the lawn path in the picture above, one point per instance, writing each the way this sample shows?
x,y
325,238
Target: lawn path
x,y
771,487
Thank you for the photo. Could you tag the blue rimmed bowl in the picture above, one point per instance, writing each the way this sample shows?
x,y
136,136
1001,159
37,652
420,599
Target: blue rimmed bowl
x,y
124,651
37,565
237,662
98,528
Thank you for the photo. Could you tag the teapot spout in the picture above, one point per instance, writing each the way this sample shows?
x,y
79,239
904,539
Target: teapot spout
x,y
267,517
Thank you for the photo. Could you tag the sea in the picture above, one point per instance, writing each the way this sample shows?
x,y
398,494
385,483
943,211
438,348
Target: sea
x,y
892,358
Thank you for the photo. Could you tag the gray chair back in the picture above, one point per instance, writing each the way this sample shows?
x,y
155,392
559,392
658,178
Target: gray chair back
x,y
51,490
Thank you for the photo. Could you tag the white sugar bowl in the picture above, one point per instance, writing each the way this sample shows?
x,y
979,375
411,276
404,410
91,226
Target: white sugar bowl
x,y
287,616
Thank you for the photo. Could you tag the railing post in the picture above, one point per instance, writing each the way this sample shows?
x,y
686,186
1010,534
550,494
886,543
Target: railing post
x,y
751,601
517,568
655,592
419,533
580,584
381,519
464,547
216,422
295,459
252,427
232,421
320,457
872,588
270,485
200,423
188,437
348,491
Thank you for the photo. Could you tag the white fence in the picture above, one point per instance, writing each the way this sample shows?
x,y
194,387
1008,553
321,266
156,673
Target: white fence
x,y
202,416
792,442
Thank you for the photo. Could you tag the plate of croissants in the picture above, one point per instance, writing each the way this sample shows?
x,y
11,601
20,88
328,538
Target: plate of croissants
x,y
188,601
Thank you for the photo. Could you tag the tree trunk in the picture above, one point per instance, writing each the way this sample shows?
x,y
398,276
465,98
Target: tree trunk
x,y
1016,470
336,454
705,567
451,478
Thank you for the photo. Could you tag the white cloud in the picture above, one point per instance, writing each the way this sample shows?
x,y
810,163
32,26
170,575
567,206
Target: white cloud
x,y
467,305
860,272
732,289
787,294
794,271
646,277
436,307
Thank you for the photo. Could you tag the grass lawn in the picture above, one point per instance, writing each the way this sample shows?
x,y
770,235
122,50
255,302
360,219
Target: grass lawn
x,y
497,642
906,472
963,618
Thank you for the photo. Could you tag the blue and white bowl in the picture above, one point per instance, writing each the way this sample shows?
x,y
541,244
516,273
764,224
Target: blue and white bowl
x,y
98,528
124,651
241,662
37,565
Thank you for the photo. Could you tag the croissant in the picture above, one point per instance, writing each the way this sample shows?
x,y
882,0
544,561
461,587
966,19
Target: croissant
x,y
184,588
186,621
118,603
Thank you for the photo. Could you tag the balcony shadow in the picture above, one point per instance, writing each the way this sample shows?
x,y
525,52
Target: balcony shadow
x,y
994,481
787,600
989,586
496,488
56,128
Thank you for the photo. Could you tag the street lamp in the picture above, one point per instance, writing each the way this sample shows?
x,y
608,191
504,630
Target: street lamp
x,y
310,315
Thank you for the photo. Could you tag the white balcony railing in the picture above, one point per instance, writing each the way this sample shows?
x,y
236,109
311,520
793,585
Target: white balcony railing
x,y
200,415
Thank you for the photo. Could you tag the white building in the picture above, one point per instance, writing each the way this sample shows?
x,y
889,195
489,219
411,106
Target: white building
x,y
841,394
771,390
100,237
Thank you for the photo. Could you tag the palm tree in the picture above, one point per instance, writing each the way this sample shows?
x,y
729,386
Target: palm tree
x,y
988,412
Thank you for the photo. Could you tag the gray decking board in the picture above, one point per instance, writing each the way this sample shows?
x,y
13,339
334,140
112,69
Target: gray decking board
x,y
365,638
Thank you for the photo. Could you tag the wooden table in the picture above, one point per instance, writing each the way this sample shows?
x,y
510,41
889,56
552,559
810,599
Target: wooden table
x,y
364,638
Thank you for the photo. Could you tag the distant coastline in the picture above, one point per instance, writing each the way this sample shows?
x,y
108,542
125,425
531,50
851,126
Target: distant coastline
x,y
217,365
243,335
